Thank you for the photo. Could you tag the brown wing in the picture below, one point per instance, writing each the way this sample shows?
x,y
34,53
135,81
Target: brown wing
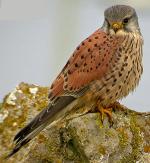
x,y
90,61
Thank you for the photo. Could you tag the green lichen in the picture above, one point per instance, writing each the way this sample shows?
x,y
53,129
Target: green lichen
x,y
102,150
0,106
123,138
25,106
110,133
136,143
99,121
137,139
42,138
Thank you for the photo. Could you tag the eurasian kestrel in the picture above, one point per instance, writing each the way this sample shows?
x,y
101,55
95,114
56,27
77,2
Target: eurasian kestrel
x,y
107,66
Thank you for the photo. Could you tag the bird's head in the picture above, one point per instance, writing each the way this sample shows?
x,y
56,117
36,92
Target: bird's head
x,y
120,18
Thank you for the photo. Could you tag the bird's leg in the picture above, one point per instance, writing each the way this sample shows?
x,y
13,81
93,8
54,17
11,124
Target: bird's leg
x,y
103,111
115,105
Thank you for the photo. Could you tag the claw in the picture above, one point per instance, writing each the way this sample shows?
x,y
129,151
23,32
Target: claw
x,y
103,111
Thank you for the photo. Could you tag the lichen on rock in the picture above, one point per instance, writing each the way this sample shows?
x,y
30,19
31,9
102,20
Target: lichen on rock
x,y
78,137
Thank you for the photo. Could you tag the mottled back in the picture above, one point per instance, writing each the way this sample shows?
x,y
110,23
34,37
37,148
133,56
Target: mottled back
x,y
90,61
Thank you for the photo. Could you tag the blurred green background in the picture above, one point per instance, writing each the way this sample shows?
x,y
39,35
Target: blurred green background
x,y
38,36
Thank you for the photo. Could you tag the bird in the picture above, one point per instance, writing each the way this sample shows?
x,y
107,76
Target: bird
x,y
106,66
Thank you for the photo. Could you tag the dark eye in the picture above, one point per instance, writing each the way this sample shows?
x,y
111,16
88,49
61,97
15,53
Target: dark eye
x,y
126,20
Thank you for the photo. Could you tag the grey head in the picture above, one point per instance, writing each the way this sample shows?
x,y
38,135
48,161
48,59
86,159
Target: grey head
x,y
120,17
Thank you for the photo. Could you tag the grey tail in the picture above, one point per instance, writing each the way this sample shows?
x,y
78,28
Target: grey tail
x,y
45,117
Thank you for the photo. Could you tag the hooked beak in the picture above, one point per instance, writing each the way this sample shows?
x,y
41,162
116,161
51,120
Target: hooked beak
x,y
116,26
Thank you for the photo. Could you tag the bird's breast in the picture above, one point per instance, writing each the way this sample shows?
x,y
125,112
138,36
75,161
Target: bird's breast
x,y
124,72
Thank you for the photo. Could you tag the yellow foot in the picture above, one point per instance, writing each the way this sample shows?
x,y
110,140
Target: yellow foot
x,y
103,111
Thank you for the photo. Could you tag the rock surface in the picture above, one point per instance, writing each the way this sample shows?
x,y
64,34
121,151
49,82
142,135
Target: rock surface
x,y
78,137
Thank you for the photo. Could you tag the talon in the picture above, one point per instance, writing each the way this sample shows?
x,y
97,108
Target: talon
x,y
103,111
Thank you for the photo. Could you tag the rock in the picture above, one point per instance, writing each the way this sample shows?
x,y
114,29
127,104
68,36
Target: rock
x,y
79,137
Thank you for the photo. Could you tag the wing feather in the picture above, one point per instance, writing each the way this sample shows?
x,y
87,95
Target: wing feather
x,y
90,61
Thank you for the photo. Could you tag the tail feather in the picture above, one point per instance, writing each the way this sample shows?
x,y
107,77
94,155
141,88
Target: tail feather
x,y
44,118
17,147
